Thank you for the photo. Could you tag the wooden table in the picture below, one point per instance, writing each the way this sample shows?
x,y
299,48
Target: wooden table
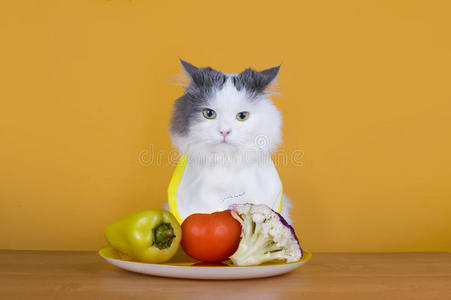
x,y
84,275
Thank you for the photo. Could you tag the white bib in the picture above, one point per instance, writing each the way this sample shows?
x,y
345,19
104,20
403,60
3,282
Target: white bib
x,y
196,188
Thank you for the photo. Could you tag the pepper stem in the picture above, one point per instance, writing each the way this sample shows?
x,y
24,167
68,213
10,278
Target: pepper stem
x,y
163,235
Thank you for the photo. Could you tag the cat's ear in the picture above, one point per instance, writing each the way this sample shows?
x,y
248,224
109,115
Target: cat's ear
x,y
189,68
269,75
255,81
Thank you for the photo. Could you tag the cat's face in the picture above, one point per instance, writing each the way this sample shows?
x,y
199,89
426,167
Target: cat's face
x,y
226,114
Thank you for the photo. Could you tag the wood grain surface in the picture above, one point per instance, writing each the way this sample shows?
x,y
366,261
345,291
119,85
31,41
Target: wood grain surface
x,y
85,275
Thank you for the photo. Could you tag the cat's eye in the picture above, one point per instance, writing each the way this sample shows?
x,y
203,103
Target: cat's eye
x,y
209,113
242,116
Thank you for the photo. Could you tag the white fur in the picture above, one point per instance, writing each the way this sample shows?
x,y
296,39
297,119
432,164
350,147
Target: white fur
x,y
249,142
263,126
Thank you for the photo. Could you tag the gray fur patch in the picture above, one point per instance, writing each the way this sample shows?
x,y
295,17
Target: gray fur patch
x,y
253,81
189,107
204,81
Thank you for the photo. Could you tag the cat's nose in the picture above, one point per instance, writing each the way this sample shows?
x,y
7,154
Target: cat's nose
x,y
225,133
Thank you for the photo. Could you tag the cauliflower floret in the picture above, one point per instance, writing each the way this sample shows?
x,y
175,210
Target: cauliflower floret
x,y
265,236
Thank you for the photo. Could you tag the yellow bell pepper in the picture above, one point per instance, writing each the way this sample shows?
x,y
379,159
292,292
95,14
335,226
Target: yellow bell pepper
x,y
151,236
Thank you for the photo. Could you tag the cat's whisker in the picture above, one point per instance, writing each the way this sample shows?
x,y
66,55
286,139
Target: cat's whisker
x,y
180,79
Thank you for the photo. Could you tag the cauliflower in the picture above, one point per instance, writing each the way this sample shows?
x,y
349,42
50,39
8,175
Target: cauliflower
x,y
265,236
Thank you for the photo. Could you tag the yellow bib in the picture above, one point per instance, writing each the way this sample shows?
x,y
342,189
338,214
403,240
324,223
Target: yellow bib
x,y
179,172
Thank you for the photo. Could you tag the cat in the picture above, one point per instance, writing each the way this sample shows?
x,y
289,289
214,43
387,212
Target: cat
x,y
227,127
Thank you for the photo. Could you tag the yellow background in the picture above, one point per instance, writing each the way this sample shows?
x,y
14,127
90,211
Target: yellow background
x,y
365,95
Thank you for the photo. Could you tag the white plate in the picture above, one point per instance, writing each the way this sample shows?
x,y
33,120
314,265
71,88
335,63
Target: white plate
x,y
182,266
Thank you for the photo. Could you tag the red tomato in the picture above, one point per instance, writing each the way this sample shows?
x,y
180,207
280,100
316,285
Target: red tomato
x,y
210,237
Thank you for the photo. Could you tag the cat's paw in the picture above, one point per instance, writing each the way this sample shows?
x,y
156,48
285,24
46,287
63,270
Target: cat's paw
x,y
286,207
